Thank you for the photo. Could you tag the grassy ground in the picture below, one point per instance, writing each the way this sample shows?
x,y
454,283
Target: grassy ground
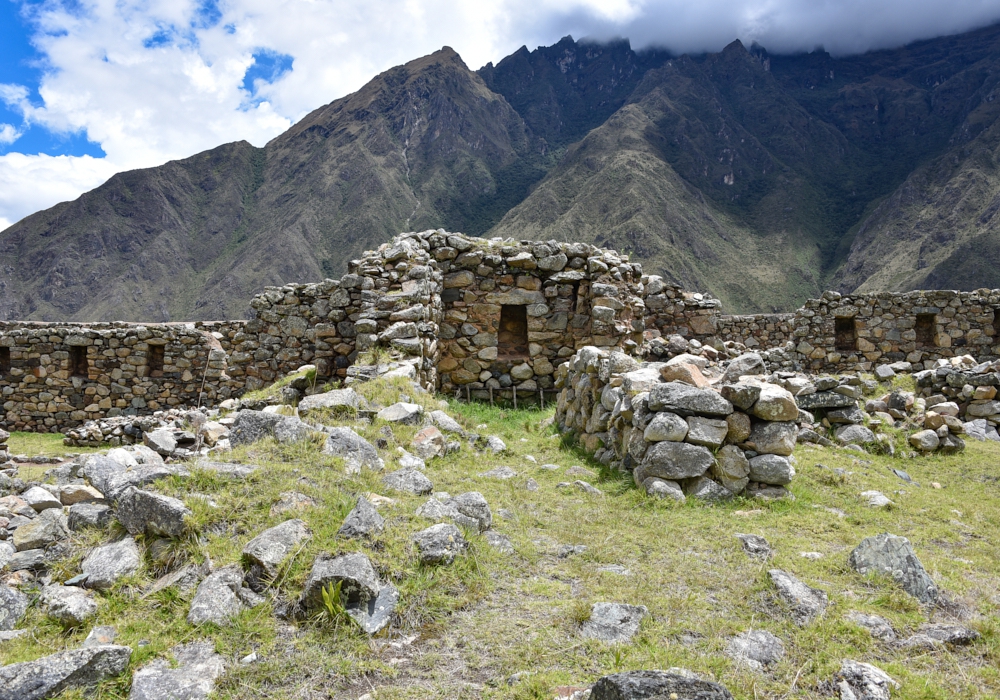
x,y
464,629
50,444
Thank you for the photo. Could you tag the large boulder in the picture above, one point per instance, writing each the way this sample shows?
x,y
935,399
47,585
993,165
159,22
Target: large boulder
x,y
337,401
353,449
111,476
368,602
675,460
270,548
192,677
708,432
251,426
771,469
142,511
666,426
686,400
51,675
656,685
775,404
109,562
893,555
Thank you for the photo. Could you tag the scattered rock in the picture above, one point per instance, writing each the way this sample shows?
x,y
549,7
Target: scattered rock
x,y
40,499
613,622
877,626
639,685
221,596
499,473
338,401
663,488
755,545
949,634
771,469
499,542
893,555
192,678
925,440
69,605
369,603
353,449
404,413
446,423
857,680
13,606
48,528
876,499
144,511
363,521
289,501
807,603
429,443
408,481
109,562
755,649
495,445
270,548
440,543
100,635
51,675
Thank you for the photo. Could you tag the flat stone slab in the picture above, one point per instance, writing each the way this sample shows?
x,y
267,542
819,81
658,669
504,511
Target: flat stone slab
x,y
656,685
807,603
893,555
270,548
51,675
192,678
109,562
613,622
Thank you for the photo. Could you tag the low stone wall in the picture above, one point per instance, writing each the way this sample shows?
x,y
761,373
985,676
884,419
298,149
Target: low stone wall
x,y
677,439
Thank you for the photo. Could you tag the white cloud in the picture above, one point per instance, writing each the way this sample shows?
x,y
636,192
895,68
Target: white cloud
x,y
8,134
146,101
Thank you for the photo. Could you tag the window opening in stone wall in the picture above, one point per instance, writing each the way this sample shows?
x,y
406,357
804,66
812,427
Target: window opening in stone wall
x,y
78,361
925,328
575,296
155,360
513,336
847,335
4,360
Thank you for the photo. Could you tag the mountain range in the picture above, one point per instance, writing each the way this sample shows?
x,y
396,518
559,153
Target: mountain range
x,y
761,179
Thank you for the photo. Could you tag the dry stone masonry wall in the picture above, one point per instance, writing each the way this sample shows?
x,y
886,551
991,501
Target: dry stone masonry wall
x,y
480,318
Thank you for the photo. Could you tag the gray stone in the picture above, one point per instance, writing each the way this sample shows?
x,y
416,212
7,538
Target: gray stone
x,y
846,416
807,603
925,440
771,469
743,396
439,544
754,545
893,555
747,364
270,548
408,481
220,597
13,606
51,675
363,521
69,605
854,435
884,373
706,489
708,432
857,680
495,445
502,473
408,461
144,511
499,542
429,443
951,444
949,634
192,678
656,685
980,429
446,423
824,399
876,499
358,581
404,413
675,460
774,438
376,613
663,488
613,622
755,649
99,636
47,528
353,449
731,468
666,426
40,499
686,400
32,559
775,404
338,401
472,511
84,515
109,562
251,426
160,441
230,469
877,626
185,579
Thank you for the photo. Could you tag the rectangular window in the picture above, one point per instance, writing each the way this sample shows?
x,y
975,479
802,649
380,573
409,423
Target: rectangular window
x,y
513,336
925,327
154,358
4,360
847,334
78,361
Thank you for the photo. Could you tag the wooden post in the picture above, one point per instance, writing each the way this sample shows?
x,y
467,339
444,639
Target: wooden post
x,y
468,394
515,398
541,398
491,396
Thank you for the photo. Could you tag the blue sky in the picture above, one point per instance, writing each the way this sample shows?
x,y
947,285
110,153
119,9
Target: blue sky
x,y
89,88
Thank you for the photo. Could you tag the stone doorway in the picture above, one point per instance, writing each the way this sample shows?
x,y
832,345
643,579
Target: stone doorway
x,y
925,327
846,334
78,366
512,340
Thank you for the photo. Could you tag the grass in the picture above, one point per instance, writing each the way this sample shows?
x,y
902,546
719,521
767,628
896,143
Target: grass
x,y
462,630
50,444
